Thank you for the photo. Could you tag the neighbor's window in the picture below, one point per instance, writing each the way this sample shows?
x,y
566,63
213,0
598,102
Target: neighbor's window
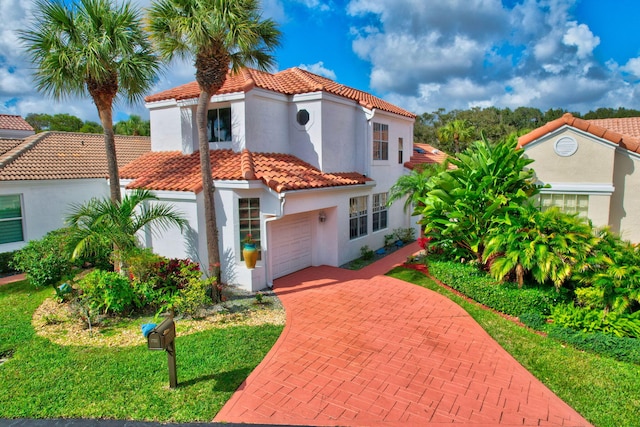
x,y
400,141
380,141
249,219
219,125
11,219
568,203
358,216
379,211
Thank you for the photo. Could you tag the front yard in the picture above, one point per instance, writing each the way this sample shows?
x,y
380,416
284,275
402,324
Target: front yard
x,y
71,379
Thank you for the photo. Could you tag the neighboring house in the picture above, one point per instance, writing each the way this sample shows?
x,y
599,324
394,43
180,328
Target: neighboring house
x,y
592,168
42,175
425,154
301,162
14,127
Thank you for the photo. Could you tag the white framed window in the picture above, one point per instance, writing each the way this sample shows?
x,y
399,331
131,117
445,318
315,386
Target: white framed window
x,y
380,141
379,211
249,220
219,125
400,143
568,203
11,220
358,214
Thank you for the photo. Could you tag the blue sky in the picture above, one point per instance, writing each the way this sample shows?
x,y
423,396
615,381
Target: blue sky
x,y
419,54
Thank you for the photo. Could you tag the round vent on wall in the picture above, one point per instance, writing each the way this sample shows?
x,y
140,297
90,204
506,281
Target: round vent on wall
x,y
566,146
302,117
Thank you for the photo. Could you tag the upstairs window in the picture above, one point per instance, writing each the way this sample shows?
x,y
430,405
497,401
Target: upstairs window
x,y
358,216
379,211
380,141
249,219
11,219
400,142
219,125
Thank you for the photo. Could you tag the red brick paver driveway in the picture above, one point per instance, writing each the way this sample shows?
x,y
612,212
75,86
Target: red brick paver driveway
x,y
362,349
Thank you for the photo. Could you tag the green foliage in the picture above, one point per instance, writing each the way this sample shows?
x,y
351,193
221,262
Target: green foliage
x,y
134,125
610,272
620,348
104,225
548,244
587,320
406,235
46,261
193,297
504,297
534,320
414,185
61,122
6,259
455,135
107,292
462,204
366,253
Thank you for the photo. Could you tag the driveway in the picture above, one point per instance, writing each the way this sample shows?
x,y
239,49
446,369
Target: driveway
x,y
363,349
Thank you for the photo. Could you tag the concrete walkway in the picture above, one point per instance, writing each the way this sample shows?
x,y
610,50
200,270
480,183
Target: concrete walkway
x,y
362,349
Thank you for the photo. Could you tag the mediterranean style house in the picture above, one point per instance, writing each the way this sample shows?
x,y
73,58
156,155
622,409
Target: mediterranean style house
x,y
591,167
42,175
300,162
14,127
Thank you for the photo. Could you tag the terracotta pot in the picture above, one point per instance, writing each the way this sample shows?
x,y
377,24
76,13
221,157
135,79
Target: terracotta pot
x,y
250,254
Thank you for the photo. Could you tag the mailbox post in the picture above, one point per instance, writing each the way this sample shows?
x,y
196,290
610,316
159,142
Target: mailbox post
x,y
162,337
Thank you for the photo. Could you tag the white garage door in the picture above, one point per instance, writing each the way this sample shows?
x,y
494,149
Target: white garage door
x,y
291,245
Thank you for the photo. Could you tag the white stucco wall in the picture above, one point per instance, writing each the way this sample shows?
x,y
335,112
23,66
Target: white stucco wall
x,y
625,203
166,126
341,119
266,122
46,203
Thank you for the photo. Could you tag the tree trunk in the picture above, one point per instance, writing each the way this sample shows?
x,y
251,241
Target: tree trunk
x,y
211,228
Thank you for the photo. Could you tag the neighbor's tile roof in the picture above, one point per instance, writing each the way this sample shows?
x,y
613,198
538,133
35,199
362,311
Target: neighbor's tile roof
x,y
174,171
289,82
425,154
9,121
7,144
625,126
607,129
66,155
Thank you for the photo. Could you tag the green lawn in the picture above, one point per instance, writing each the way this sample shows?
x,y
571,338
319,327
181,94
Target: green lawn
x,y
46,380
606,392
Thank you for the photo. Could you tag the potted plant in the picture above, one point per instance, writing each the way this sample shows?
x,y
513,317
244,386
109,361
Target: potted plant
x,y
249,251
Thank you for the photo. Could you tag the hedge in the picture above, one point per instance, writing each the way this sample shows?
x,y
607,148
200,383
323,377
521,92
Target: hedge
x,y
620,348
5,259
504,297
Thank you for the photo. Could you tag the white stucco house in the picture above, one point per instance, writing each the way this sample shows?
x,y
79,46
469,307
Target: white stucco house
x,y
43,174
592,168
301,162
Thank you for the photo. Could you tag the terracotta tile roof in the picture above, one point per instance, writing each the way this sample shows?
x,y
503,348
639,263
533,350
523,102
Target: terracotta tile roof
x,y
8,121
626,126
425,154
174,171
7,144
602,128
289,82
67,155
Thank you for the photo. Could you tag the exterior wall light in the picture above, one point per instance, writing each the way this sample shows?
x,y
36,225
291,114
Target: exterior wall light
x,y
322,216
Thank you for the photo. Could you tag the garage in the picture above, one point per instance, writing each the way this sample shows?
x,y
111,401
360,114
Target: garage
x,y
290,244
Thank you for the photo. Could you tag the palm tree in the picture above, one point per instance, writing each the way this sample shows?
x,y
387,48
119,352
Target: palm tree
x,y
94,47
134,125
218,34
456,131
414,186
102,224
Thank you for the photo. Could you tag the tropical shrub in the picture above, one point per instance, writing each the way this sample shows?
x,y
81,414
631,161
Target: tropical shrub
x,y
366,253
610,275
462,203
586,320
193,297
548,245
104,225
405,235
107,292
534,320
46,261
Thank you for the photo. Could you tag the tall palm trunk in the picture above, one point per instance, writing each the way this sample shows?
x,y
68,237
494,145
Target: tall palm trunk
x,y
211,228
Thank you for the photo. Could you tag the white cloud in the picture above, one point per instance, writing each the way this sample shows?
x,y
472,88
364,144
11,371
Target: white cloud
x,y
320,69
315,4
457,54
